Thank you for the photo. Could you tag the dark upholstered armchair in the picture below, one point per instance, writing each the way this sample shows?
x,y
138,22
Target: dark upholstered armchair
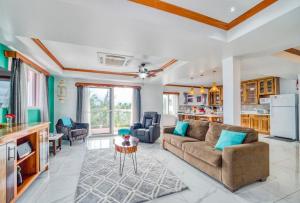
x,y
149,130
74,132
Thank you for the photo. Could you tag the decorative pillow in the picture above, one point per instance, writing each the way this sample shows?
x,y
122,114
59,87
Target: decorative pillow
x,y
181,128
229,138
148,122
67,121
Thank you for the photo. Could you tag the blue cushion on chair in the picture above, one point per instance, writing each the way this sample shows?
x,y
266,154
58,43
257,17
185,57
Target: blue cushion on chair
x,y
229,138
67,121
181,128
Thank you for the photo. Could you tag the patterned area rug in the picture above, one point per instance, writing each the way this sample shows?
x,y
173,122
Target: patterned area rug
x,y
100,181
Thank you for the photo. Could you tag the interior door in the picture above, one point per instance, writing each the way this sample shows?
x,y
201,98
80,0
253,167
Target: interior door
x,y
101,110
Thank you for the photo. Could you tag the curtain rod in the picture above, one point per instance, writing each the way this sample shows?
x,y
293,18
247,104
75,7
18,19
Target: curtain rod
x,y
83,84
15,54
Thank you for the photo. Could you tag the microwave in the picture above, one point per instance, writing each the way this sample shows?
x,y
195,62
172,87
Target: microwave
x,y
265,100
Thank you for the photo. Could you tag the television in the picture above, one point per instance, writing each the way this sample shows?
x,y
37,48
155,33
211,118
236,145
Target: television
x,y
4,88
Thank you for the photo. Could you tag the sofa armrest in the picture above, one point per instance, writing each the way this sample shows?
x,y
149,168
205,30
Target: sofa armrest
x,y
169,130
244,164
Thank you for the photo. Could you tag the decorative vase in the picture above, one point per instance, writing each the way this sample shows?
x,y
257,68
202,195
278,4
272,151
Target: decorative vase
x,y
9,122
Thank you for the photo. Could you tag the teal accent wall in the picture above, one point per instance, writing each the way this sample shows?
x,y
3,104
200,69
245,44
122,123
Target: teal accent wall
x,y
51,102
3,59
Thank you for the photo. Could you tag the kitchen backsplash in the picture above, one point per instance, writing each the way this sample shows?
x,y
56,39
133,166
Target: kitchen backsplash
x,y
256,107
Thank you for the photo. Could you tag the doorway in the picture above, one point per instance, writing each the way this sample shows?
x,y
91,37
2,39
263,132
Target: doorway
x,y
110,109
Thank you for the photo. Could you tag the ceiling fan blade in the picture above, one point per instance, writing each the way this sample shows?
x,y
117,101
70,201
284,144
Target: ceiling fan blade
x,y
156,71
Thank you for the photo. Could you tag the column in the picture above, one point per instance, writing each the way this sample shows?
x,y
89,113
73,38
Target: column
x,y
231,91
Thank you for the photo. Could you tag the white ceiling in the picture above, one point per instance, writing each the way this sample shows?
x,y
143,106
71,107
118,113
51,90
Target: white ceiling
x,y
75,29
218,9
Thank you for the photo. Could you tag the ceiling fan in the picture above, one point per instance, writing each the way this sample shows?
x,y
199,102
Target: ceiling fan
x,y
144,72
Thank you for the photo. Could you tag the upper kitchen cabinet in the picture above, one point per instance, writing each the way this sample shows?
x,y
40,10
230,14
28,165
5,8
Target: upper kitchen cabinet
x,y
268,86
251,92
243,93
216,98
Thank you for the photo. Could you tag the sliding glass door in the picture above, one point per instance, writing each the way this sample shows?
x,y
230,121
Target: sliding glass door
x,y
110,109
100,110
122,108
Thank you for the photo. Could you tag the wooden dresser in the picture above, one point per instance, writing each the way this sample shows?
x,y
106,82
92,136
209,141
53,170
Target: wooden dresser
x,y
31,165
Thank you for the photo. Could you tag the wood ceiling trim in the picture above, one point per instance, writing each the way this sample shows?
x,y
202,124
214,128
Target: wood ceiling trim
x,y
187,86
55,60
183,12
101,72
251,12
85,84
15,54
47,52
293,51
164,67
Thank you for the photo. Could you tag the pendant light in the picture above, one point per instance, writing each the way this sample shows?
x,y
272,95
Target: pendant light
x,y
202,90
192,91
214,87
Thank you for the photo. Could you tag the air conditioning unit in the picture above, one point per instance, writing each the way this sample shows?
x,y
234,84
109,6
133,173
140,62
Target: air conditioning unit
x,y
110,59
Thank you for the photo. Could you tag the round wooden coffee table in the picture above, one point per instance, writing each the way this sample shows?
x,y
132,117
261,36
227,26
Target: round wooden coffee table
x,y
126,147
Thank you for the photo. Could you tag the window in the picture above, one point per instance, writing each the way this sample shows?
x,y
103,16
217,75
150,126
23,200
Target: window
x,y
33,88
170,103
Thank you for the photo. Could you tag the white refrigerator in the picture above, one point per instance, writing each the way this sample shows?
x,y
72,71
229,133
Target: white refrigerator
x,y
284,116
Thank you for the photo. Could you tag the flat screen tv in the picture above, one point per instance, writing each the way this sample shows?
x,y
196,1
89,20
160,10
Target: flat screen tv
x,y
4,88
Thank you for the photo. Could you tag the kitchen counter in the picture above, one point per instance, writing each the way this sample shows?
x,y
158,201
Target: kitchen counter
x,y
255,113
197,116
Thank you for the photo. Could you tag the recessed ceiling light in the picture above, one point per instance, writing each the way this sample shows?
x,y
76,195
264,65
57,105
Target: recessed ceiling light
x,y
232,9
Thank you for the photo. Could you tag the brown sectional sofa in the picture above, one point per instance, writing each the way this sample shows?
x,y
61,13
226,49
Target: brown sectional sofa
x,y
235,166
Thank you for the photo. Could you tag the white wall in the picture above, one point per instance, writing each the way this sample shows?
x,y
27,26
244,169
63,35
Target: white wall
x,y
288,86
151,96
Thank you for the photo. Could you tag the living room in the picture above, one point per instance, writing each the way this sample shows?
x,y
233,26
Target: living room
x,y
159,101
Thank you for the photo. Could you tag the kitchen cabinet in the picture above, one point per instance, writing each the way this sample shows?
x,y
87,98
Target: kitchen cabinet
x,y
216,98
260,123
264,124
245,121
254,122
268,86
243,93
251,93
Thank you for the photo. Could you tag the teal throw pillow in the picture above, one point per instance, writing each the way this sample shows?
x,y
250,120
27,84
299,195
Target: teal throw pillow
x,y
229,138
67,121
181,128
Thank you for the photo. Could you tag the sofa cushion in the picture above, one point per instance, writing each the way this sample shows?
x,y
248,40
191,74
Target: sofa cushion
x,y
197,129
78,132
215,130
177,141
204,152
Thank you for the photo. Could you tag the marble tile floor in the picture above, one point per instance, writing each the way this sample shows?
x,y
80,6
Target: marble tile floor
x,y
58,184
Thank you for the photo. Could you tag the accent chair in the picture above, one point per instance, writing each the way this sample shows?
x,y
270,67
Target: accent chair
x,y
149,129
72,130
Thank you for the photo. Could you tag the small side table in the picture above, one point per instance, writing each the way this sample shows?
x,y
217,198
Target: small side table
x,y
52,139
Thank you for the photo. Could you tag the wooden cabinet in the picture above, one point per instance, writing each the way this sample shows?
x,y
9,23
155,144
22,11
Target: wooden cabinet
x,y
260,123
243,93
11,153
254,122
3,173
216,98
29,164
264,124
251,92
245,122
44,149
268,86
